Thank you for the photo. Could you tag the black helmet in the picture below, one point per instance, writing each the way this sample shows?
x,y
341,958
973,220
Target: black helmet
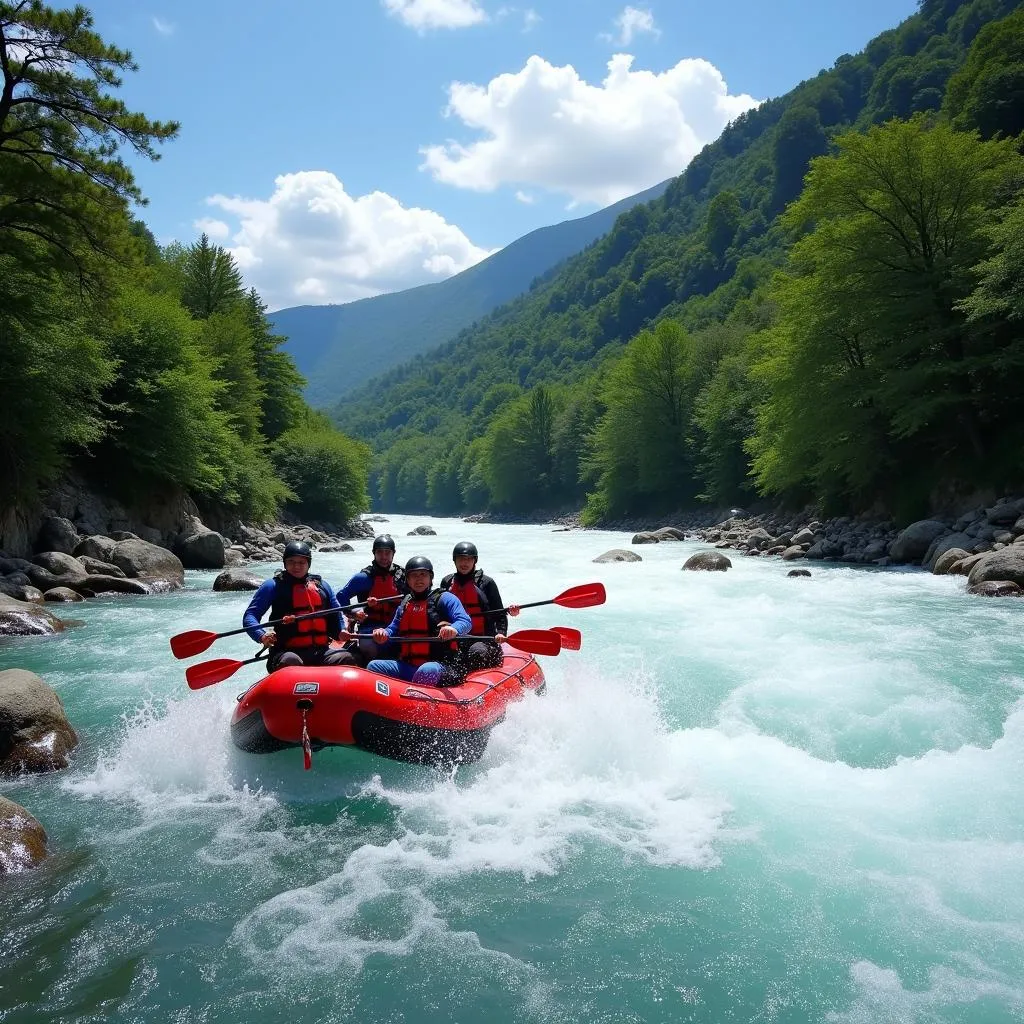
x,y
297,549
465,547
419,562
385,540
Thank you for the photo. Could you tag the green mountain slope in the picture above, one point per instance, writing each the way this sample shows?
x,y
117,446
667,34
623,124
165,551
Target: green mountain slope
x,y
694,254
337,347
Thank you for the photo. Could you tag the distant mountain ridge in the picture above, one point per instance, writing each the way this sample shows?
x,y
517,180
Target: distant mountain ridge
x,y
338,347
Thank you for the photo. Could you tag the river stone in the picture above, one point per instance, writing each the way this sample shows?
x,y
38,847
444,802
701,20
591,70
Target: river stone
x,y
59,594
22,838
422,531
97,583
947,560
97,546
59,563
942,544
35,734
203,549
20,618
331,548
57,534
136,557
646,537
792,553
94,565
618,555
708,561
913,543
20,591
994,588
799,572
669,533
1007,564
237,579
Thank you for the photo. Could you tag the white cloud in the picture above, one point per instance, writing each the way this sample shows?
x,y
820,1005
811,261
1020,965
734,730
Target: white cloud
x,y
422,15
312,241
525,197
165,28
216,229
631,22
545,127
530,19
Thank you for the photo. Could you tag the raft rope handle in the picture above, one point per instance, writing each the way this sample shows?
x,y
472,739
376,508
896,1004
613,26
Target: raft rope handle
x,y
305,706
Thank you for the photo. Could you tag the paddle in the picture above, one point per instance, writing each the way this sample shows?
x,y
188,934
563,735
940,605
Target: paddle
x,y
572,639
533,641
195,641
586,595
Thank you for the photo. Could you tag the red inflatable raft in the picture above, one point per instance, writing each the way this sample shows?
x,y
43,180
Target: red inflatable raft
x,y
320,707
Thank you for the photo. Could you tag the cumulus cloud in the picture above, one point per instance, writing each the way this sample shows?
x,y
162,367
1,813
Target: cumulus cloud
x,y
631,22
165,28
422,15
216,229
545,127
313,242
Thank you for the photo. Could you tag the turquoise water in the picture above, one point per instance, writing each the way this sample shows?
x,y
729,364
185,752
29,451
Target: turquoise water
x,y
748,798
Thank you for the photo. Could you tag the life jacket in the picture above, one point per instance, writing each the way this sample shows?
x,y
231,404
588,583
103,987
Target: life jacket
x,y
422,617
384,583
300,596
471,594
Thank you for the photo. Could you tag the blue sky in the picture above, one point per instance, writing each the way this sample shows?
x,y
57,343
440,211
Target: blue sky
x,y
345,148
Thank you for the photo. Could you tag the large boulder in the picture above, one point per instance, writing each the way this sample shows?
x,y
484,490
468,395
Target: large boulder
x,y
63,595
12,587
203,549
994,588
19,618
708,561
57,534
136,557
1005,564
646,537
947,560
423,531
35,734
944,543
60,564
913,543
332,548
618,555
97,583
97,546
669,533
237,579
95,565
22,838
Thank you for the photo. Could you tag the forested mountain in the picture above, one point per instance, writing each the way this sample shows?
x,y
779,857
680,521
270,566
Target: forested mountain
x,y
152,369
338,347
862,349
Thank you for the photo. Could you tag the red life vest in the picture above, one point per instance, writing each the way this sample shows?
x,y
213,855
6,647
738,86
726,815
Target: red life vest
x,y
421,617
473,601
302,596
385,583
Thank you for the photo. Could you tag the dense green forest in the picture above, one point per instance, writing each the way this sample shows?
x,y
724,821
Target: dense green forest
x,y
151,369
826,306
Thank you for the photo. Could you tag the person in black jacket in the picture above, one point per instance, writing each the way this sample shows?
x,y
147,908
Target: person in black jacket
x,y
479,595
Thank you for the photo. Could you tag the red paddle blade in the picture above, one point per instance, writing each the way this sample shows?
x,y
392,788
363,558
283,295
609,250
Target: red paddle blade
x,y
195,641
210,672
536,641
584,596
572,639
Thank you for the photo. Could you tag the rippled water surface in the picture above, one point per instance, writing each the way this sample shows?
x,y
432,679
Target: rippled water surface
x,y
747,798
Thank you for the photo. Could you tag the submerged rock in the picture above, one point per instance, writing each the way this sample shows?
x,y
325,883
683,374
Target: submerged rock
x,y
708,561
237,579
19,618
618,555
994,588
35,734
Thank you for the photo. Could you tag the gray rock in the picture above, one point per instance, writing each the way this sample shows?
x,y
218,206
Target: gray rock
x,y
20,591
57,534
19,618
946,562
799,572
994,588
804,537
947,542
423,531
792,553
35,734
59,563
664,533
1007,564
204,549
119,535
136,557
97,546
645,538
96,584
1004,514
331,548
618,555
94,565
913,543
237,579
62,594
22,839
708,561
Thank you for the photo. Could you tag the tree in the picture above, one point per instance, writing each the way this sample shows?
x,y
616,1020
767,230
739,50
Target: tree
x,y
60,132
281,382
724,213
211,281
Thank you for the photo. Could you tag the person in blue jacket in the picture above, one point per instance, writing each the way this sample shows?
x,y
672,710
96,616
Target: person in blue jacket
x,y
423,614
294,591
380,585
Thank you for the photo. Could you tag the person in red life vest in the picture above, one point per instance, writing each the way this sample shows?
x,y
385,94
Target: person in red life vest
x,y
424,613
380,580
479,595
294,591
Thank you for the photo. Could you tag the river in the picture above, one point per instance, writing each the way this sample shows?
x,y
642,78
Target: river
x,y
747,798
